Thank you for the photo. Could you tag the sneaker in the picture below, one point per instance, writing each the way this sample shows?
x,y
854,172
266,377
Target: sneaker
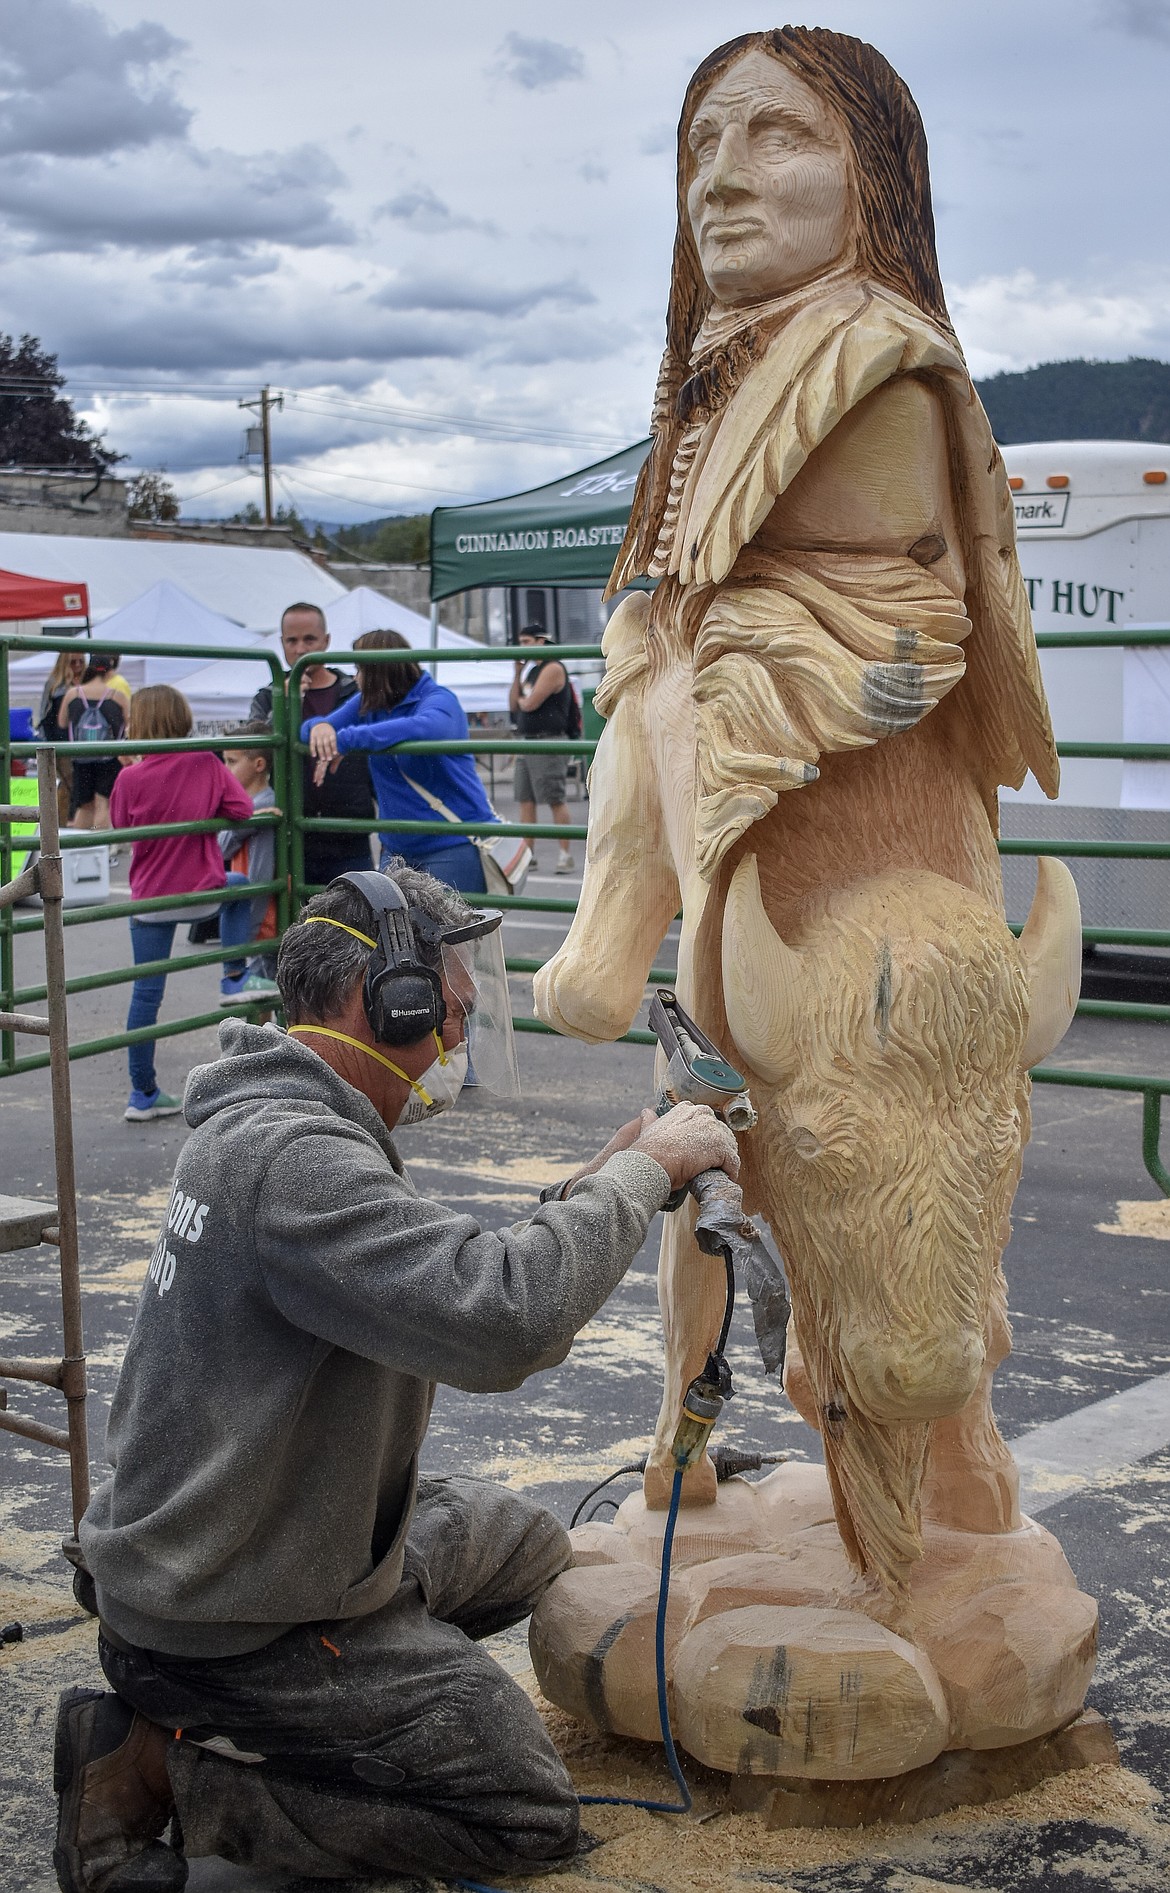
x,y
144,1105
114,1799
249,989
565,863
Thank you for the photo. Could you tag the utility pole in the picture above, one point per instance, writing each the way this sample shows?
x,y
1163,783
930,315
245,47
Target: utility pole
x,y
263,407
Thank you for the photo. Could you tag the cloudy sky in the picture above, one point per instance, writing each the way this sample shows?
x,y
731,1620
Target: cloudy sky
x,y
444,229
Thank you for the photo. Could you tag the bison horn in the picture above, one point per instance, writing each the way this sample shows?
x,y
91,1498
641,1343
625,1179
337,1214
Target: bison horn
x,y
763,980
1051,945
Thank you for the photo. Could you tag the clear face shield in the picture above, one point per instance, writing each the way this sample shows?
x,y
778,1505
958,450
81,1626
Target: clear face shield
x,y
475,980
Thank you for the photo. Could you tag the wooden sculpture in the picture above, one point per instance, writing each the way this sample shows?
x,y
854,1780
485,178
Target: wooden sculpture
x,y
808,722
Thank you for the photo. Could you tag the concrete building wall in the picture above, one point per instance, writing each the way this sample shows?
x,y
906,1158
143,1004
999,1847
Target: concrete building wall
x,y
63,501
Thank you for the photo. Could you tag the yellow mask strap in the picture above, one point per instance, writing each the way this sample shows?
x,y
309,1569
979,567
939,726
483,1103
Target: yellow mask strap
x,y
326,1032
323,920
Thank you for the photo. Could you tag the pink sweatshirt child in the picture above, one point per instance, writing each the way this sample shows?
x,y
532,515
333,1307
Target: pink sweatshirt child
x,y
190,786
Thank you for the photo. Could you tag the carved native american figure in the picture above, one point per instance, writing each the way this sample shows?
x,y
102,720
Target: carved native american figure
x,y
808,722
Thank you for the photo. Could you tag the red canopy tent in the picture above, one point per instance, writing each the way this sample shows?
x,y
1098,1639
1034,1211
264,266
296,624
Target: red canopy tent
x,y
23,597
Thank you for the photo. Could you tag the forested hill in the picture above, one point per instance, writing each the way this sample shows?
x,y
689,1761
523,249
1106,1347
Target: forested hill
x,y
1080,400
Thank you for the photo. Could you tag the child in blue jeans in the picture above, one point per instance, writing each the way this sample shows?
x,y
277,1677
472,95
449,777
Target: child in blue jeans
x,y
249,855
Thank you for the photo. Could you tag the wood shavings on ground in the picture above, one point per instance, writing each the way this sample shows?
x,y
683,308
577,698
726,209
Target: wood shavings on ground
x,y
1140,1219
718,1850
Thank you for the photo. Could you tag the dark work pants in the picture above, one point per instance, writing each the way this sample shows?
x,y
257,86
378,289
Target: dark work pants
x,y
391,1743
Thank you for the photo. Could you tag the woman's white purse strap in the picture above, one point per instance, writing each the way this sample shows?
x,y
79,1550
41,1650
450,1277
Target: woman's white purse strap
x,y
506,862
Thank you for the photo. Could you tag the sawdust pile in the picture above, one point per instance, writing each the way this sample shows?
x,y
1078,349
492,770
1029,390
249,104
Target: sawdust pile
x,y
1140,1219
715,1847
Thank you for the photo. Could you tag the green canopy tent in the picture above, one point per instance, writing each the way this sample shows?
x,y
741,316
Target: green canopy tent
x,y
564,534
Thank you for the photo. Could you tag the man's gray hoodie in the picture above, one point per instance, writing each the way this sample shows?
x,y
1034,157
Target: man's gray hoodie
x,y
301,1302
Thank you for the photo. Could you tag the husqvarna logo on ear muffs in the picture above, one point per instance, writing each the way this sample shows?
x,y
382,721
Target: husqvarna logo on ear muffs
x,y
394,970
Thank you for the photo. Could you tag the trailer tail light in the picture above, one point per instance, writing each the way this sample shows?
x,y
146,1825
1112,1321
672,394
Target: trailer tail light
x,y
1155,477
1057,480
1015,481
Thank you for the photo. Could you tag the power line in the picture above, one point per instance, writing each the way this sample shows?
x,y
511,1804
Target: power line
x,y
364,479
417,417
362,411
218,487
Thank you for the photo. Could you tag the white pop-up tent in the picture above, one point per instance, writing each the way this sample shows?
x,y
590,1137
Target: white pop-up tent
x,y
221,691
479,687
163,615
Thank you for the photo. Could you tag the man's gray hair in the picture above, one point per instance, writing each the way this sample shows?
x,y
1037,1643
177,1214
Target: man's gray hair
x,y
318,967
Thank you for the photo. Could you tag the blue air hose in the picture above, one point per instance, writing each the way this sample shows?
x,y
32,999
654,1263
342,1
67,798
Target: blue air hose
x,y
623,1801
684,1805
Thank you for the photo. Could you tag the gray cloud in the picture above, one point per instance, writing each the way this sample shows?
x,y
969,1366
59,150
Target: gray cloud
x,y
72,86
463,295
198,334
425,213
176,196
536,64
219,265
1141,19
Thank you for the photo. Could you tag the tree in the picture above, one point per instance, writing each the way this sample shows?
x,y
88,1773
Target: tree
x,y
250,515
1080,400
402,539
38,427
153,500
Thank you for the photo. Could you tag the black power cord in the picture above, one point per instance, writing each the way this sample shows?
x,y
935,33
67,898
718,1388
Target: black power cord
x,y
727,1461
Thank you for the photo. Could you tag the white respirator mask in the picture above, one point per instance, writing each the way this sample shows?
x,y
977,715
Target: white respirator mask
x,y
438,1088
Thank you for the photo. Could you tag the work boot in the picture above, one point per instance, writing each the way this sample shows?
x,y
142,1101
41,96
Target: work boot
x,y
114,1795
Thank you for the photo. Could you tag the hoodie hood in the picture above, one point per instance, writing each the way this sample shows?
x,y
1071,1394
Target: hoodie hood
x,y
262,1062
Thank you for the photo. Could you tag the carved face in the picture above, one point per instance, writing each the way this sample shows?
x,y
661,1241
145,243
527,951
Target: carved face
x,y
770,203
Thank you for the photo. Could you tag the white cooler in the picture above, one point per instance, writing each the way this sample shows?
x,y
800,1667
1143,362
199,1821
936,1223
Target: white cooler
x,y
85,873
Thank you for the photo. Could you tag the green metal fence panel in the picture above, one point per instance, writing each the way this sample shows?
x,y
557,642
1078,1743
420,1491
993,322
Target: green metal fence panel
x,y
11,927
289,885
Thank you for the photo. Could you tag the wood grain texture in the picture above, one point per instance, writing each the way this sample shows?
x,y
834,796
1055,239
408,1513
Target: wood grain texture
x,y
782,1659
962,1778
809,723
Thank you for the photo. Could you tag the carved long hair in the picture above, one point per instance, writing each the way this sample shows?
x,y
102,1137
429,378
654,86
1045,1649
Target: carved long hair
x,y
895,239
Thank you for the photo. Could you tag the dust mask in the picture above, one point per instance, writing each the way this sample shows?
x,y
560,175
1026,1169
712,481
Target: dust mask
x,y
436,1091
438,1088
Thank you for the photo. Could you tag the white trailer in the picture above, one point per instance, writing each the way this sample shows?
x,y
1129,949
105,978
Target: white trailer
x,y
1093,525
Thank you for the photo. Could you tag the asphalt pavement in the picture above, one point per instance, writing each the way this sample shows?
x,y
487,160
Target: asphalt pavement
x,y
1090,1310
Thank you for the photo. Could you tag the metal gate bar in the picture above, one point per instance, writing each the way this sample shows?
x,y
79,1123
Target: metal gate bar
x,y
67,1373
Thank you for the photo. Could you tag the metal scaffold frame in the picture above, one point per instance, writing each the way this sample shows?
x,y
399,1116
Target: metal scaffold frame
x,y
67,1372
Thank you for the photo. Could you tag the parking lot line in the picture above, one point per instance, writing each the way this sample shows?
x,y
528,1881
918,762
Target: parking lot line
x,y
1063,1456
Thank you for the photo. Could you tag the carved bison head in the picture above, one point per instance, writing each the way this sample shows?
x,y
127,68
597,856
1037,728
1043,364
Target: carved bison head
x,y
893,1036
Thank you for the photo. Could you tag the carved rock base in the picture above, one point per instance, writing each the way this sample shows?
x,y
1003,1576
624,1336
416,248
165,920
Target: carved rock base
x,y
962,1778
783,1662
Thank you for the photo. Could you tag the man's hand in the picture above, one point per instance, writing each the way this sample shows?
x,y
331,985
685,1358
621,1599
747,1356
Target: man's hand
x,y
688,1139
323,748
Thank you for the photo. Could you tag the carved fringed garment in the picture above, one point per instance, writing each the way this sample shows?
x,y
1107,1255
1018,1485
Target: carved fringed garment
x,y
797,654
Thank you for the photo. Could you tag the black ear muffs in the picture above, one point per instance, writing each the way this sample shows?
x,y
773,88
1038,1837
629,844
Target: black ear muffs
x,y
403,998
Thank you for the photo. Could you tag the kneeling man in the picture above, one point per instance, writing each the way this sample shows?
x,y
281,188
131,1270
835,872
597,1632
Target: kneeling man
x,y
289,1611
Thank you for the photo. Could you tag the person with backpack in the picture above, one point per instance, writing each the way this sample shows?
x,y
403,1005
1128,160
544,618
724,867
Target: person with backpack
x,y
69,670
543,705
92,712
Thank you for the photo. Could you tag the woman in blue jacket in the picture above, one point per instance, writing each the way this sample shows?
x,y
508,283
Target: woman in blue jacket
x,y
402,703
